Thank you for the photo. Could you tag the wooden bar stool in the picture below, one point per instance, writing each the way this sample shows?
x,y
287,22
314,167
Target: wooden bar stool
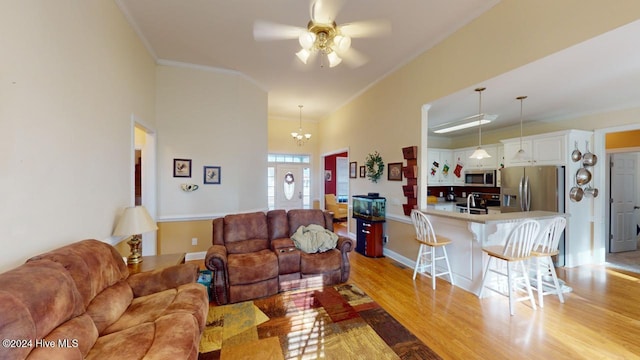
x,y
514,253
429,243
543,264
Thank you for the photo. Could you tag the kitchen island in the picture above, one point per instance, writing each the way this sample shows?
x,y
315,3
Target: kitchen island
x,y
469,233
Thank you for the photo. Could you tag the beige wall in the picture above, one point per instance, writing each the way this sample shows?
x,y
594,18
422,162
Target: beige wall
x,y
175,237
72,74
387,117
213,118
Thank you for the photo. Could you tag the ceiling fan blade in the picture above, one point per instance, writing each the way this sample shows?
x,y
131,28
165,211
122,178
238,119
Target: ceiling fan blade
x,y
354,58
366,28
325,11
265,30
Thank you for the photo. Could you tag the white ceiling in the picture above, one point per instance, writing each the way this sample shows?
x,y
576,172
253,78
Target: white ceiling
x,y
219,34
599,75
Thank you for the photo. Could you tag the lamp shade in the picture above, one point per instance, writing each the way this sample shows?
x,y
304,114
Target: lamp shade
x,y
480,154
135,220
303,55
334,59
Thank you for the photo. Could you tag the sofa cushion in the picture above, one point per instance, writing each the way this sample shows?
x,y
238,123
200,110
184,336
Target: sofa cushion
x,y
252,267
73,340
130,343
173,336
177,337
186,299
278,224
305,217
35,298
110,304
245,233
93,265
320,262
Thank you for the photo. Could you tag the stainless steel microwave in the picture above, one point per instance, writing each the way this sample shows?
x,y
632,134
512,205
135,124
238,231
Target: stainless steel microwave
x,y
485,178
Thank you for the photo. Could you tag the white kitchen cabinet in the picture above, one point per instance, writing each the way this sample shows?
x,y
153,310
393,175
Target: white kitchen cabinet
x,y
539,150
440,167
449,206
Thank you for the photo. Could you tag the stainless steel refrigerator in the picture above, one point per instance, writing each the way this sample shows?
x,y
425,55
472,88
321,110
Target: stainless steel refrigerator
x,y
529,188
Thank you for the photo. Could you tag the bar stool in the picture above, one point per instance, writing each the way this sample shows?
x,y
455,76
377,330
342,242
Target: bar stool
x,y
428,244
543,265
516,251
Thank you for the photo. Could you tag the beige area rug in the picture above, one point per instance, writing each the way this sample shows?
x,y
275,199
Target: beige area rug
x,y
338,322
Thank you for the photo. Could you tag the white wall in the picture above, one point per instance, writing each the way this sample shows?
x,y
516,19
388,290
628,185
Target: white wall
x,y
71,75
213,118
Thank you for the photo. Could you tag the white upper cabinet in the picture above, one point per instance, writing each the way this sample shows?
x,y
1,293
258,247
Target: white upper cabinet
x,y
539,150
440,167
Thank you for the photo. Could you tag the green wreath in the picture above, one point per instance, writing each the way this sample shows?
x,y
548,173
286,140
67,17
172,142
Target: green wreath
x,y
375,166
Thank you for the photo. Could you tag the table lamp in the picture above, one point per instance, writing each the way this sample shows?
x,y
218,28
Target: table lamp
x,y
134,221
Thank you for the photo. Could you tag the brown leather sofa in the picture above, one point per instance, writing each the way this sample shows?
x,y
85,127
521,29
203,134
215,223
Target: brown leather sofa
x,y
79,302
253,255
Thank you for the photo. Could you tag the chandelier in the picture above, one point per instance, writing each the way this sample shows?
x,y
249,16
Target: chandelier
x,y
326,39
300,137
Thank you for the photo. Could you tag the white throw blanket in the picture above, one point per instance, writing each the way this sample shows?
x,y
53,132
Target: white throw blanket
x,y
314,238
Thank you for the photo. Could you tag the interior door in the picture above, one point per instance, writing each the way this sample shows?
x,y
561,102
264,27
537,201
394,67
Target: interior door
x,y
289,186
623,202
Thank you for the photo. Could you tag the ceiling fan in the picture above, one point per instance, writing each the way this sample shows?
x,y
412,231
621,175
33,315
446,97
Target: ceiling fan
x,y
323,36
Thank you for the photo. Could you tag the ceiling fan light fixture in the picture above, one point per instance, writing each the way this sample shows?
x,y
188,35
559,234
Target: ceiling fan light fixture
x,y
303,55
307,39
342,43
334,59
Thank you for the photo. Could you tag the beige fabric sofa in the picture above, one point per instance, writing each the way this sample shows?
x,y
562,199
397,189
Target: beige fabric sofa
x,y
79,302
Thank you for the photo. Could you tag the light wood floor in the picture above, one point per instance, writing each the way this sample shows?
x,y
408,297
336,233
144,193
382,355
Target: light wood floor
x,y
599,319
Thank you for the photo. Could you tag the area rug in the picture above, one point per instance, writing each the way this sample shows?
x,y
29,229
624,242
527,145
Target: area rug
x,y
336,322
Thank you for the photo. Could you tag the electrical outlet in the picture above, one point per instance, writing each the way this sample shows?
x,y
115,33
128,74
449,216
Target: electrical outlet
x,y
194,241
385,239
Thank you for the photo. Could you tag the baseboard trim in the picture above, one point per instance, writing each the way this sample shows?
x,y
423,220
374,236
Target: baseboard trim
x,y
399,258
195,256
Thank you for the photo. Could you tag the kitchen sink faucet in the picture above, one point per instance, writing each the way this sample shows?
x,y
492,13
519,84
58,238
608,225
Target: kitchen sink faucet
x,y
472,201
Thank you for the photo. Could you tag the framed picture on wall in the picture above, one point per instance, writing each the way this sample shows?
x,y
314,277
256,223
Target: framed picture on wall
x,y
211,175
363,171
352,169
182,168
394,171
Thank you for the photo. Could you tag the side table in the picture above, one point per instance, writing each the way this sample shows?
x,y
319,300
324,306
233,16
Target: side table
x,y
155,262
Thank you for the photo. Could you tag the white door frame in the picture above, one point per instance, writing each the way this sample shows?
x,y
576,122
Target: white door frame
x,y
149,179
321,174
601,209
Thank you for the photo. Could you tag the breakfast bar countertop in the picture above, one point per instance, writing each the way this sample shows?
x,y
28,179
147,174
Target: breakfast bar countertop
x,y
493,218
469,233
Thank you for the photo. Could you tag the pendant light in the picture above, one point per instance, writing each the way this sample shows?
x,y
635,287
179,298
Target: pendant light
x,y
300,137
521,154
480,153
